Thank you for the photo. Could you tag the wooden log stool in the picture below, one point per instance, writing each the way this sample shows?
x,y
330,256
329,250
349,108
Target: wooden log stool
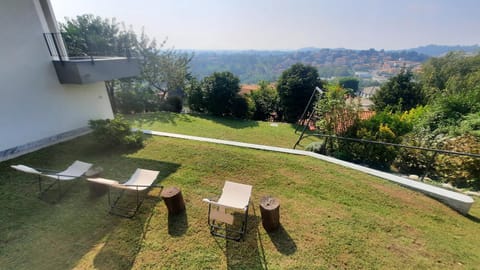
x,y
96,189
270,211
172,196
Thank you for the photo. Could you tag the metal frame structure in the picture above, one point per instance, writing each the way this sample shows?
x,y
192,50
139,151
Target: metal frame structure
x,y
128,212
215,227
301,120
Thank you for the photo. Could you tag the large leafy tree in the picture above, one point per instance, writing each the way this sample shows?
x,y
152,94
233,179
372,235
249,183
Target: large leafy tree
x,y
164,70
295,87
94,36
219,92
400,93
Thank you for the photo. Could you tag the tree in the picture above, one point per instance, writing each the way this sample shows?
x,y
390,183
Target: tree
x,y
89,35
295,87
350,84
400,93
242,106
334,112
265,100
195,99
164,70
453,73
219,91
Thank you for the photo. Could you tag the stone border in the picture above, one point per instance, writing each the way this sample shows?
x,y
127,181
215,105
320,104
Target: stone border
x,y
460,202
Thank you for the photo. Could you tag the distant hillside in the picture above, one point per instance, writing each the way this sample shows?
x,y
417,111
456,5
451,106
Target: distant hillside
x,y
439,50
253,66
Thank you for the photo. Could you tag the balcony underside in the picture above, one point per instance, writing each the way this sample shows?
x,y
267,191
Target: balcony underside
x,y
88,70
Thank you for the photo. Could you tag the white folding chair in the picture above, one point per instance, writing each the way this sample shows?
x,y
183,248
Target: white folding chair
x,y
235,198
139,182
74,171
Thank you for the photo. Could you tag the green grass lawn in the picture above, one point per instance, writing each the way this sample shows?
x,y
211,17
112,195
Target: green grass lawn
x,y
278,134
332,217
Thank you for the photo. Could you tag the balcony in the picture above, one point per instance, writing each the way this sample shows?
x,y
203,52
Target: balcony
x,y
88,69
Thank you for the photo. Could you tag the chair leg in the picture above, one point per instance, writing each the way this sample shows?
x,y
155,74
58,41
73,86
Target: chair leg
x,y
215,228
123,211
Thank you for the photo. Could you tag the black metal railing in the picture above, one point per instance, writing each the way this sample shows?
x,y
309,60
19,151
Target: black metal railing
x,y
429,166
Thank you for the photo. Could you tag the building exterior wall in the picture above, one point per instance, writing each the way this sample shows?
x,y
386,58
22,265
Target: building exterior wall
x,y
34,106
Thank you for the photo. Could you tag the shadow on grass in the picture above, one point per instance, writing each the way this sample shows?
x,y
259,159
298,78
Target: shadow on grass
x,y
282,241
162,117
473,218
178,224
229,121
248,253
124,240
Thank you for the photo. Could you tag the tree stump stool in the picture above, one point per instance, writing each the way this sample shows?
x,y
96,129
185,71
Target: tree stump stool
x,y
172,196
270,211
96,189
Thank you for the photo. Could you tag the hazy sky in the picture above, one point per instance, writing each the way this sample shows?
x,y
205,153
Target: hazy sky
x,y
291,24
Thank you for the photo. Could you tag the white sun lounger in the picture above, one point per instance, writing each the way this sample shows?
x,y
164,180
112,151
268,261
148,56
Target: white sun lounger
x,y
235,197
140,181
74,171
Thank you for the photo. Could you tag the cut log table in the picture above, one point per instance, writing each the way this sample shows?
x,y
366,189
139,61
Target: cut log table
x,y
270,211
96,189
172,196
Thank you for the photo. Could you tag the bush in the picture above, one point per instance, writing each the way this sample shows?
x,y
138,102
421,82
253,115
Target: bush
x,y
415,161
242,107
383,127
116,132
219,91
460,171
128,102
266,101
172,104
317,147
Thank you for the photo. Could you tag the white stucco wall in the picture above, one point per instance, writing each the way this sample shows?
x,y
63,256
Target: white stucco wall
x,y
33,104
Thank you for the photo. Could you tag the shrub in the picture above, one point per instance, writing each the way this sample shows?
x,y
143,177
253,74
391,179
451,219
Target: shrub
x,y
172,104
219,90
415,161
383,127
130,101
116,132
317,147
461,171
266,101
242,107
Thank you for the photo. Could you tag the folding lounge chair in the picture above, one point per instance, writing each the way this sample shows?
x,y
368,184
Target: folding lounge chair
x,y
140,182
74,171
235,198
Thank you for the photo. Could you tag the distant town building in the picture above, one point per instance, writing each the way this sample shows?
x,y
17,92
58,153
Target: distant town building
x,y
363,75
368,92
